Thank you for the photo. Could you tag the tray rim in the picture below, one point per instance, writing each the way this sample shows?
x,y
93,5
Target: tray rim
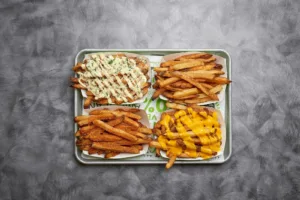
x,y
227,116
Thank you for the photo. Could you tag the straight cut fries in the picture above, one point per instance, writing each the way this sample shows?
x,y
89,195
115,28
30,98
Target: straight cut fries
x,y
112,79
187,132
111,132
194,78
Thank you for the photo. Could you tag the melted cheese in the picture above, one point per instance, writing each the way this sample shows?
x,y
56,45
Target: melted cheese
x,y
191,153
204,126
109,77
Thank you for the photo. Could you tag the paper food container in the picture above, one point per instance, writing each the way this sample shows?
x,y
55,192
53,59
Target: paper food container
x,y
219,60
144,121
223,131
83,92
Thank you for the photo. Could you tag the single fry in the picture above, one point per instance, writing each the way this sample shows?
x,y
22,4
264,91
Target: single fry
x,y
219,80
116,121
87,102
179,101
159,69
195,56
100,112
126,127
167,94
138,134
202,67
74,80
111,154
145,130
90,120
186,65
208,86
188,97
207,75
186,92
131,110
171,63
115,147
84,147
78,86
171,161
98,137
216,89
182,84
170,88
77,67
86,129
77,134
205,61
92,151
81,117
198,100
89,93
130,122
117,113
168,81
114,131
175,106
83,142
157,153
138,146
127,114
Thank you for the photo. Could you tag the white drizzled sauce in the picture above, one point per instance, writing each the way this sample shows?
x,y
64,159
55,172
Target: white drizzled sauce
x,y
108,77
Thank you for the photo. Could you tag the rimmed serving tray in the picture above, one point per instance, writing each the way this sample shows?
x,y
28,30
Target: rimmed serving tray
x,y
154,108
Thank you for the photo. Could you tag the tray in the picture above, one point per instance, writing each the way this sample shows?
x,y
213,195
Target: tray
x,y
154,108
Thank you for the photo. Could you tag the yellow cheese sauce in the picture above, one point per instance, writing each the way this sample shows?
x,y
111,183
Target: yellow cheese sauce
x,y
201,126
109,77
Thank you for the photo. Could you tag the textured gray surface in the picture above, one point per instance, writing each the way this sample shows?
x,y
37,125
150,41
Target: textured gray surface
x,y
39,41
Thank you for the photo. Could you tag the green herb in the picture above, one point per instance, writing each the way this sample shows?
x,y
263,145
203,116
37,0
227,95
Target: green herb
x,y
111,61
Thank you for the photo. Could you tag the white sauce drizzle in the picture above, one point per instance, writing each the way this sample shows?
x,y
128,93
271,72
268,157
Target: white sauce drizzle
x,y
105,75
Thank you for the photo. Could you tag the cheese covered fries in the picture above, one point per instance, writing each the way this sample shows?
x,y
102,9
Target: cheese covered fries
x,y
189,133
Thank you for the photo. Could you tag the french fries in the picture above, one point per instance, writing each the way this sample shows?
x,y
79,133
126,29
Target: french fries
x,y
187,132
190,79
195,56
115,147
175,106
102,84
111,132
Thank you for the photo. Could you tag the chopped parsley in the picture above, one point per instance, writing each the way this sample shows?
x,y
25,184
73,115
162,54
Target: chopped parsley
x,y
111,61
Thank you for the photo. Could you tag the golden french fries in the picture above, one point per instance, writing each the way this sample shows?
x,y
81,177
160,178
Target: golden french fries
x,y
188,132
115,147
195,56
88,102
115,131
111,154
171,161
116,121
145,130
168,81
117,113
190,79
112,132
186,65
175,106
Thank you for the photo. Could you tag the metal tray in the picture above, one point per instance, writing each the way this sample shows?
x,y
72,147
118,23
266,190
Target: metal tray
x,y
149,157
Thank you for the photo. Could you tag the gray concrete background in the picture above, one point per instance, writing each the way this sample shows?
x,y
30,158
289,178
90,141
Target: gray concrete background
x,y
38,44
